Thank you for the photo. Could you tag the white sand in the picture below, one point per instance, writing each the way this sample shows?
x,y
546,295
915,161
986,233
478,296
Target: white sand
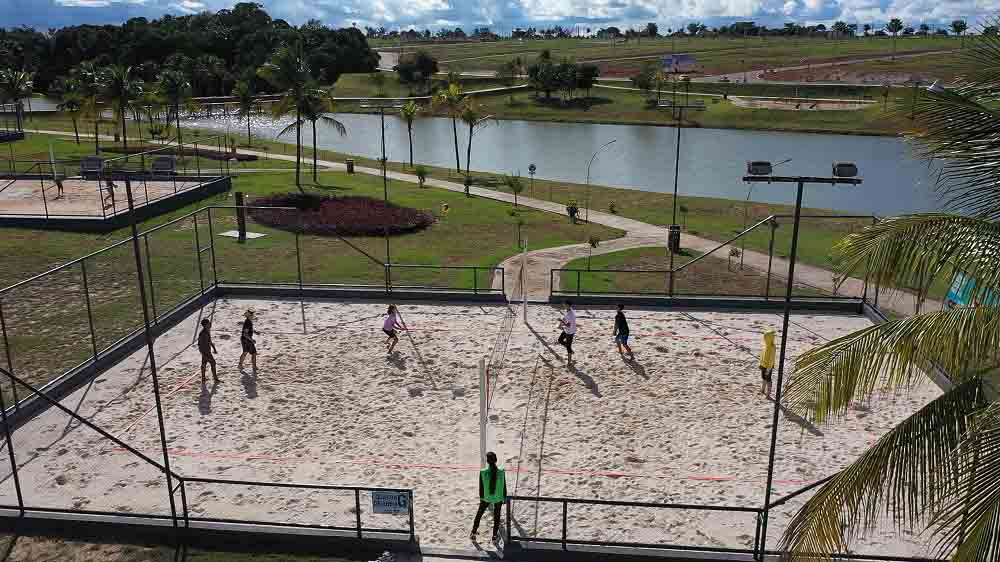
x,y
81,197
328,407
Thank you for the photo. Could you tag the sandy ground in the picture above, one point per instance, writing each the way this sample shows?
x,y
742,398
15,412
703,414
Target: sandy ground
x,y
797,105
80,197
683,423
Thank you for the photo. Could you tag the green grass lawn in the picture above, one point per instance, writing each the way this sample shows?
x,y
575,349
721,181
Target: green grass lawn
x,y
644,271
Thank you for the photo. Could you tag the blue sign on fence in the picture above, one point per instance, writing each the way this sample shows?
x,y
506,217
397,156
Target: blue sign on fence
x,y
960,294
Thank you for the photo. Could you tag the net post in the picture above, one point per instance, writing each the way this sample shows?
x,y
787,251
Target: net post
x,y
565,522
413,531
482,411
7,352
524,276
90,313
197,255
10,451
357,509
152,289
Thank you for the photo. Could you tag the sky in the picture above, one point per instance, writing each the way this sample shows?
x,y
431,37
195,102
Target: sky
x,y
503,14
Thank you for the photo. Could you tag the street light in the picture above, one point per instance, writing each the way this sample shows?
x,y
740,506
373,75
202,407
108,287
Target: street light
x,y
592,158
761,172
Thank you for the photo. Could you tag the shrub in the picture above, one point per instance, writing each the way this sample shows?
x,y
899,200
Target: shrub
x,y
421,172
613,208
572,209
346,216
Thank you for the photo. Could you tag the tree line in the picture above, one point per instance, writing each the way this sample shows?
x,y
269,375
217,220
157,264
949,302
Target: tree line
x,y
214,50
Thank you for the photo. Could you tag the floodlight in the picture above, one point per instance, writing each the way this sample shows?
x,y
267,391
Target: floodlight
x,y
759,168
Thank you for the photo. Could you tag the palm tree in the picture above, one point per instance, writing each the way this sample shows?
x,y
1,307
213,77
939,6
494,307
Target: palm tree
x,y
315,106
472,115
16,85
941,467
121,90
72,103
91,79
288,71
151,105
451,100
246,101
176,90
409,113
894,27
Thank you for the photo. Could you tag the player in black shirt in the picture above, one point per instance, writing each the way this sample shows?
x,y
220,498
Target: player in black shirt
x,y
621,332
207,348
247,341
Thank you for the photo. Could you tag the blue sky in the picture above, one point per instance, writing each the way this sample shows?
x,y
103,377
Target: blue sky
x,y
506,13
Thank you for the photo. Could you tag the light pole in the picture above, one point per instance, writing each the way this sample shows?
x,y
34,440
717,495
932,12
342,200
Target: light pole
x,y
760,172
592,158
531,172
382,106
674,231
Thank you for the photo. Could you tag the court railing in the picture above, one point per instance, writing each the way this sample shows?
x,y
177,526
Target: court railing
x,y
11,119
565,282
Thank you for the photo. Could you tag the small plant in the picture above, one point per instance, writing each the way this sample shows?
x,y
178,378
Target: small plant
x,y
684,214
612,208
515,186
468,185
733,254
520,223
421,172
593,242
572,209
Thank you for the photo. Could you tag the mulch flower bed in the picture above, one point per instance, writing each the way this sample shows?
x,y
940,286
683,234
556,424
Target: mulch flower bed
x,y
345,216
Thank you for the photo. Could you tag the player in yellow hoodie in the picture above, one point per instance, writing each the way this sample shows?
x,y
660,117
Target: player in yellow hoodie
x,y
767,362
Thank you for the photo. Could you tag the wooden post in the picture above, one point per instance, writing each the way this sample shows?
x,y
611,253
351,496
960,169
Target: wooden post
x,y
241,217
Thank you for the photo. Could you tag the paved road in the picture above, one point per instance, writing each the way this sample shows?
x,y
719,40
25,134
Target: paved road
x,y
637,234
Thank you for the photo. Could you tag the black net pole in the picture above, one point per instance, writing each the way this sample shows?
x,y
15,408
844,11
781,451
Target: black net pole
x,y
9,355
10,451
90,313
197,255
786,318
149,347
770,260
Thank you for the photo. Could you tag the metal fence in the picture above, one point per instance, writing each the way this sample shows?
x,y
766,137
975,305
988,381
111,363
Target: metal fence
x,y
720,271
11,120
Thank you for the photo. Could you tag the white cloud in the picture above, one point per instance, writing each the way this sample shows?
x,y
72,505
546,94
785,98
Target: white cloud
x,y
188,6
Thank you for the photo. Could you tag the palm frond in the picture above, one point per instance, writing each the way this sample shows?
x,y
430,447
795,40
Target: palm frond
x,y
336,124
292,126
982,79
904,472
969,525
890,355
914,250
960,133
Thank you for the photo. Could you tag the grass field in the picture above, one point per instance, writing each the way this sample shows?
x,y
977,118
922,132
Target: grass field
x,y
717,55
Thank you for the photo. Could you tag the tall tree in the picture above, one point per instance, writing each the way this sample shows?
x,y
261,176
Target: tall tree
x,y
121,89
451,101
91,79
409,113
288,71
246,101
72,103
16,85
473,115
894,26
176,90
940,468
315,106
652,30
959,27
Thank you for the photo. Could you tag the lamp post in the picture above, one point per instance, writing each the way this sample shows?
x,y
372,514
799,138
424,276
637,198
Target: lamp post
x,y
531,172
592,158
382,106
674,231
761,172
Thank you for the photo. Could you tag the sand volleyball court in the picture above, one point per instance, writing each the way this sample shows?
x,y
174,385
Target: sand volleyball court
x,y
81,197
684,423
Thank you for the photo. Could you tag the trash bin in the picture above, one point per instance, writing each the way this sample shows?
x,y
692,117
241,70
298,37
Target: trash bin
x,y
674,238
350,165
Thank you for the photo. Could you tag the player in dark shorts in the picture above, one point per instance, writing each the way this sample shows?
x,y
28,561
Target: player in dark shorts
x,y
207,348
621,332
246,340
389,325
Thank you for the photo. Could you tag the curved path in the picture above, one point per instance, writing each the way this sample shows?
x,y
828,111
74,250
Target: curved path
x,y
637,234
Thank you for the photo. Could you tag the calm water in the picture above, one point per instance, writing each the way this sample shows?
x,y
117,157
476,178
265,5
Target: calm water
x,y
711,164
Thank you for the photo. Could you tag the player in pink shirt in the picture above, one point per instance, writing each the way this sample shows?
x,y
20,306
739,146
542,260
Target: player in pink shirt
x,y
390,325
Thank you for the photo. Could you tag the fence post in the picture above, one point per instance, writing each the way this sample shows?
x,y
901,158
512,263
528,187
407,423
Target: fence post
x,y
7,352
756,538
564,523
211,244
413,531
152,289
298,252
197,159
357,509
509,515
197,254
770,259
475,281
45,201
184,504
10,451
90,314
577,283
388,278
670,288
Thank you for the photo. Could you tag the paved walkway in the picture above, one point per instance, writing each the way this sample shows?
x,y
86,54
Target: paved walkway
x,y
637,234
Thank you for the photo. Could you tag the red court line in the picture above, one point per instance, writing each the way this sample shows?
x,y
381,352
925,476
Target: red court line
x,y
464,467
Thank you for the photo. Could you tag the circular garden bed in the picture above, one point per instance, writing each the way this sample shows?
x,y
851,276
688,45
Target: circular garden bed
x,y
345,216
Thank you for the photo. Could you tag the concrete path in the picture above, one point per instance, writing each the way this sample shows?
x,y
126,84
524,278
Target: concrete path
x,y
637,234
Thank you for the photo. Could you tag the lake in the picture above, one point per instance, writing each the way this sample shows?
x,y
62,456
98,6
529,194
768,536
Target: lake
x,y
712,161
